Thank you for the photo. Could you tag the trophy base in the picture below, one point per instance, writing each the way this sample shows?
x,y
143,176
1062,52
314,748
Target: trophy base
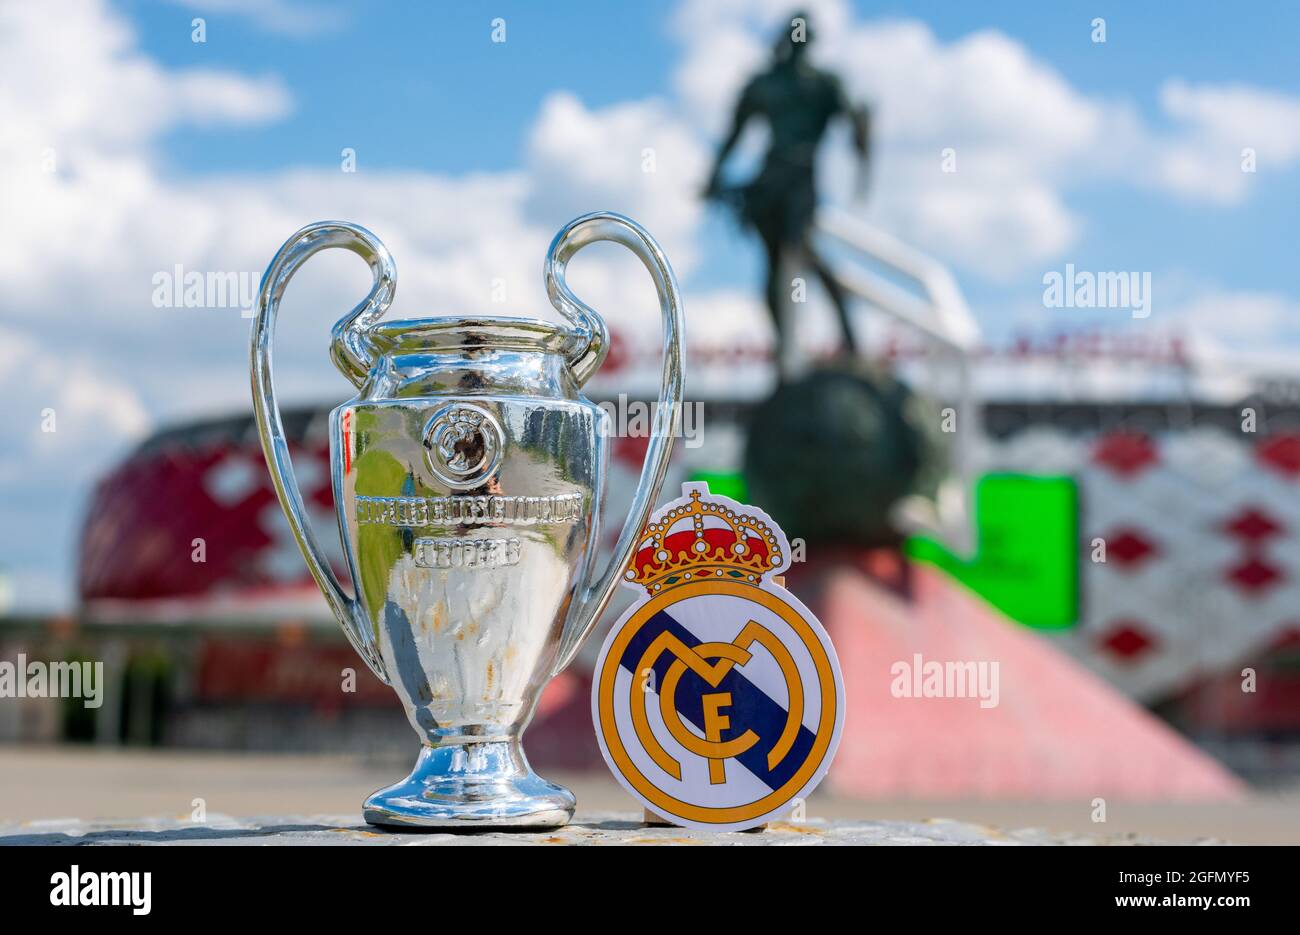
x,y
470,786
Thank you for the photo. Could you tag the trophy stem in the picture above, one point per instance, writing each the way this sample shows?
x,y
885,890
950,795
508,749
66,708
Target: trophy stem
x,y
468,786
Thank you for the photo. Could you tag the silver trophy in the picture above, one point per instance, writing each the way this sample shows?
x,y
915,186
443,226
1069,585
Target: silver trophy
x,y
468,474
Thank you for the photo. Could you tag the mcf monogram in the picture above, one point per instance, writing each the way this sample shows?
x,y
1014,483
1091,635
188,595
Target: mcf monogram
x,y
712,747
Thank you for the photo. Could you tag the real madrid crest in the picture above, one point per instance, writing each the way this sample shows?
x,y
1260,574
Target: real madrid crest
x,y
717,696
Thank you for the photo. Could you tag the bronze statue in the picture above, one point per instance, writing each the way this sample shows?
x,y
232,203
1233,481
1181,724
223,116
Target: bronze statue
x,y
798,101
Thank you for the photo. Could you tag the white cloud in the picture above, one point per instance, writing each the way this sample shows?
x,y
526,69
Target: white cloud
x,y
635,158
75,81
1239,115
67,416
75,389
1000,230
1238,320
1217,124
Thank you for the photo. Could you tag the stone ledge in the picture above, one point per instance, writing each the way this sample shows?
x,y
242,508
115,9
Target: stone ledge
x,y
599,828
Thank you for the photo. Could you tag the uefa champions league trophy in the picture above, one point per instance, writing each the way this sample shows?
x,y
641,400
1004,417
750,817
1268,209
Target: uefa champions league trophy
x,y
468,474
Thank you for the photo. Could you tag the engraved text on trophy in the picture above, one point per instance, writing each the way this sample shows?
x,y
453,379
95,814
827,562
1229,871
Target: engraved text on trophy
x,y
466,553
455,511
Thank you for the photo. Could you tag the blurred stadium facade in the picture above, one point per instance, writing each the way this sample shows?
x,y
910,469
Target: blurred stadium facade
x,y
231,645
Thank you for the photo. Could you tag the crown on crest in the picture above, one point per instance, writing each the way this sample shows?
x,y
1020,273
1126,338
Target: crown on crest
x,y
706,538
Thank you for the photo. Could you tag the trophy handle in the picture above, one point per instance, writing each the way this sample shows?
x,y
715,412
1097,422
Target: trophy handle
x,y
585,358
351,353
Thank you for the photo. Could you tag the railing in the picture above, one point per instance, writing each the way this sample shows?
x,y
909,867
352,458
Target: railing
x,y
936,311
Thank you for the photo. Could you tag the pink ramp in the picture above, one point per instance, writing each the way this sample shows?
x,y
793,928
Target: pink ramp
x,y
1056,731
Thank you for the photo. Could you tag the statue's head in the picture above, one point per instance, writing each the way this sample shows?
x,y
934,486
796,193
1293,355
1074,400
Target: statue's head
x,y
793,39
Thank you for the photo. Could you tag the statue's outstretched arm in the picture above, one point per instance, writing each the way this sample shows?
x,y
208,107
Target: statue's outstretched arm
x,y
857,114
861,119
744,110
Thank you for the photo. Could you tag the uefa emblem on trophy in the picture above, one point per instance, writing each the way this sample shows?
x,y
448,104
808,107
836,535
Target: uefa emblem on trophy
x,y
468,475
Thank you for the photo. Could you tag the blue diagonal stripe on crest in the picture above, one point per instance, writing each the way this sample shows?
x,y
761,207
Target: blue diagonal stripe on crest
x,y
750,709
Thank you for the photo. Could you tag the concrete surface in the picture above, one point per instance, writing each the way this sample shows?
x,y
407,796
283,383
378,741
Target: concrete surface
x,y
62,790
592,829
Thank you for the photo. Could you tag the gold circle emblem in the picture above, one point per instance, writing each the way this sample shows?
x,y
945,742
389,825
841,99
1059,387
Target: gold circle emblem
x,y
757,727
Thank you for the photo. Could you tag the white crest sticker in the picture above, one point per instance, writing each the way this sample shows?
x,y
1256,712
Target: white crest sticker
x,y
717,696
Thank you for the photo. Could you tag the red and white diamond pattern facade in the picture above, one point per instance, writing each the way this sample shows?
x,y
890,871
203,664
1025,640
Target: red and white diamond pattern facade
x,y
1202,547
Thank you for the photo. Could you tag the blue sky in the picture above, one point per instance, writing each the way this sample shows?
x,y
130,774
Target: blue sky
x,y
417,85
130,150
